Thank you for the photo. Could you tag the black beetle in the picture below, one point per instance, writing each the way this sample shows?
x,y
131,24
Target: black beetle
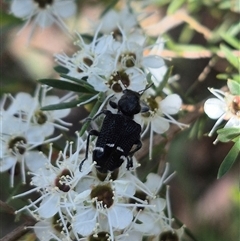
x,y
118,134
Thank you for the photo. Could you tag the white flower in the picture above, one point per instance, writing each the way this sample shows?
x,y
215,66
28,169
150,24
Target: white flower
x,y
43,13
151,220
56,183
158,118
124,21
53,229
49,120
225,107
97,206
28,108
92,57
18,140
130,54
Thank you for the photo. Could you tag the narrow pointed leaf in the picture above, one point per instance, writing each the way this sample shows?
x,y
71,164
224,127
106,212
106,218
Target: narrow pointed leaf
x,y
234,87
174,6
92,113
228,134
233,60
164,81
60,69
229,159
65,85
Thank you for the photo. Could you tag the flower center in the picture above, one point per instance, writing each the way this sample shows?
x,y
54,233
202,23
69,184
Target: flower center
x,y
58,225
168,236
117,34
235,108
40,117
43,3
128,59
153,106
63,180
140,195
86,61
101,236
114,81
103,194
17,145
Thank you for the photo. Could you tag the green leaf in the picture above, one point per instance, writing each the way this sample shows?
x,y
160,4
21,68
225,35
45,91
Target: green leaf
x,y
230,40
236,77
109,7
234,87
229,159
8,19
174,6
65,85
60,106
233,60
164,81
81,82
93,112
222,76
228,134
60,69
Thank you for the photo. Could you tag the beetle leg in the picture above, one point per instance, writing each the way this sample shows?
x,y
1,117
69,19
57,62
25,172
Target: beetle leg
x,y
139,145
91,133
129,162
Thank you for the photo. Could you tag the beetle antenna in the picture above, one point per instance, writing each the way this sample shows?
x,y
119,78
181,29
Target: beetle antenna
x,y
142,91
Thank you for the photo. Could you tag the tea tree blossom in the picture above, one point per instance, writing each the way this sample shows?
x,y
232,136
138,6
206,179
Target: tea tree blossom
x,y
158,118
29,109
225,107
18,141
43,13
56,183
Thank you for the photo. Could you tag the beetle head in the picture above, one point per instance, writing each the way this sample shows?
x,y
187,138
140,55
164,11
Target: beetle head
x,y
129,103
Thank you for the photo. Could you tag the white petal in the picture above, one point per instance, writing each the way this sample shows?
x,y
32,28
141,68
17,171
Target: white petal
x,y
159,204
34,135
160,125
153,61
171,104
65,8
126,187
214,108
7,163
85,222
152,182
133,235
35,160
120,217
97,83
22,8
22,102
83,196
42,230
147,222
49,206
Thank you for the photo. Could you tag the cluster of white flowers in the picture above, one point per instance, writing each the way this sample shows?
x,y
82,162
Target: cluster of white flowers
x,y
74,205
25,127
115,59
84,204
